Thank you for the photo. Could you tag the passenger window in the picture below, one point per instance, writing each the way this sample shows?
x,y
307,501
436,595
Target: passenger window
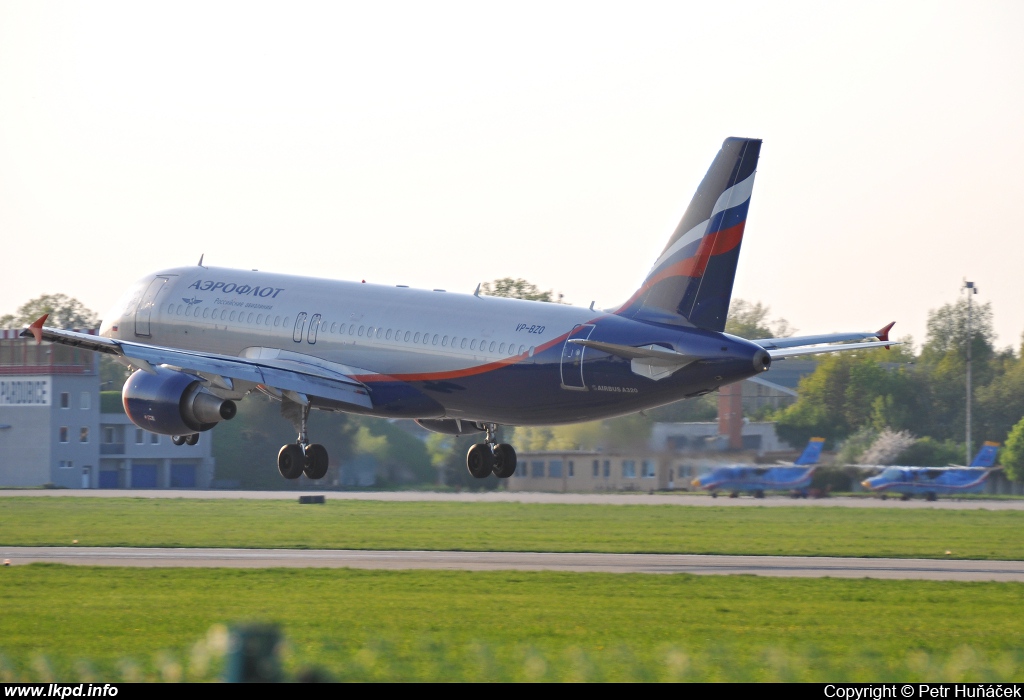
x,y
285,321
472,346
341,329
249,319
388,337
491,348
407,336
334,328
232,315
351,329
361,328
501,349
259,320
433,340
206,313
179,310
277,321
522,349
463,345
416,338
444,342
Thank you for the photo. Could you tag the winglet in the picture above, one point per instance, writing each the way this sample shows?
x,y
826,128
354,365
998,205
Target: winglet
x,y
883,333
36,329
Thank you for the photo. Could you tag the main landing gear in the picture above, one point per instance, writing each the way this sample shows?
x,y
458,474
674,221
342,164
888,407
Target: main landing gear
x,y
491,457
180,440
301,457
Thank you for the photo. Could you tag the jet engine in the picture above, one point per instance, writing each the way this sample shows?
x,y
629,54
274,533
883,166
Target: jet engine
x,y
173,403
452,426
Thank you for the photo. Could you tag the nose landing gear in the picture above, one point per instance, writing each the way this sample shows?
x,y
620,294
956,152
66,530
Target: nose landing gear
x,y
301,457
491,457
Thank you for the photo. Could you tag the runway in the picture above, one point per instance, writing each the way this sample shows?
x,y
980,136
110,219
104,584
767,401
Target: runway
x,y
805,567
617,498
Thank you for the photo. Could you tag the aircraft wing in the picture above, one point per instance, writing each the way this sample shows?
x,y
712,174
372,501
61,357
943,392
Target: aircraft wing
x,y
219,370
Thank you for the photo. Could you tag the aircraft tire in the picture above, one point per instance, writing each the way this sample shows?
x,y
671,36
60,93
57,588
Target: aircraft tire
x,y
290,461
759,494
905,497
192,439
178,440
504,461
931,496
480,461
316,462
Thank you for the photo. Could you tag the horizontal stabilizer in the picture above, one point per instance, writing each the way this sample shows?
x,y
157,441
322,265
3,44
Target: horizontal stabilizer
x,y
649,352
804,340
650,361
795,352
757,379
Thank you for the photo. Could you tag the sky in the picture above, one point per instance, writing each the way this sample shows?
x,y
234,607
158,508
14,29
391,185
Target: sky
x,y
444,144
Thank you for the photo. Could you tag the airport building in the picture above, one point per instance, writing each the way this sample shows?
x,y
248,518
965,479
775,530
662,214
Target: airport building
x,y
587,471
57,429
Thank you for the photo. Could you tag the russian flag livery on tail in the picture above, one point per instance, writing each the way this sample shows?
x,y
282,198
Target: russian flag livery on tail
x,y
201,338
692,278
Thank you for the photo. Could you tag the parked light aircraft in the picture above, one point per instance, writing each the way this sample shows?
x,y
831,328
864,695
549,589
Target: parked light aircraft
x,y
757,479
931,481
201,338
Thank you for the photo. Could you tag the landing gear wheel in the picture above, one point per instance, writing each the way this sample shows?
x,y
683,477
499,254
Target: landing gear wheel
x,y
905,497
931,496
714,494
178,440
192,439
316,462
480,460
290,461
759,494
504,461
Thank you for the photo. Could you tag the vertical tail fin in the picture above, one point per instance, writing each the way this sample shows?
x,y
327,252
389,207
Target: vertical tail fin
x,y
811,453
692,279
986,456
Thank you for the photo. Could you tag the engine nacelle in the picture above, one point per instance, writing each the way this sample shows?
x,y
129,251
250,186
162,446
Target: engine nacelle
x,y
451,426
173,403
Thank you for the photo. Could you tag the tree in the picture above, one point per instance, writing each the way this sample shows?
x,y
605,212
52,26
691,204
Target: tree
x,y
750,320
944,362
515,289
851,391
1012,456
64,312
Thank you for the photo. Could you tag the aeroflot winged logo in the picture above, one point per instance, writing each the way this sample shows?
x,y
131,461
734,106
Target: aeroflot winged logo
x,y
233,288
192,301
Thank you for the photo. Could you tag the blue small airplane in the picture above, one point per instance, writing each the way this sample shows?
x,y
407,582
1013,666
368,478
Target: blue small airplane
x,y
932,481
795,478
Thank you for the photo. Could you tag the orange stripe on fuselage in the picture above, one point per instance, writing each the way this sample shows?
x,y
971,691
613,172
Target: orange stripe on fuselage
x,y
466,372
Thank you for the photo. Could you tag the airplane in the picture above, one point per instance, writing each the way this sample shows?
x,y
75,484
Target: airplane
x,y
931,481
201,338
795,477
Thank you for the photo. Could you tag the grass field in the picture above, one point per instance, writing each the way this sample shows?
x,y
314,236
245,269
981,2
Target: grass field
x,y
434,625
867,532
